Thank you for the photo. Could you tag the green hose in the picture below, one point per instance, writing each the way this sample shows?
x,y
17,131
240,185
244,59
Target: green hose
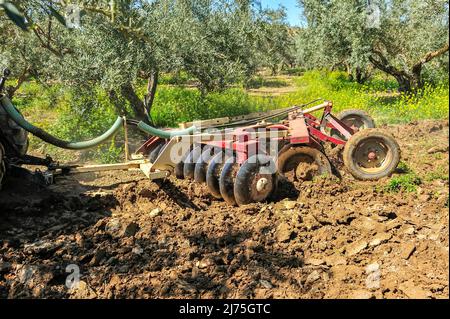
x,y
164,134
18,118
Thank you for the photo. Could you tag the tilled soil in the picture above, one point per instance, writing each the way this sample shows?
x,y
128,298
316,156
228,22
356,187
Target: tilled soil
x,y
328,238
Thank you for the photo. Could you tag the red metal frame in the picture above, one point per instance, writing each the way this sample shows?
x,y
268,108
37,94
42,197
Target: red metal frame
x,y
304,129
149,144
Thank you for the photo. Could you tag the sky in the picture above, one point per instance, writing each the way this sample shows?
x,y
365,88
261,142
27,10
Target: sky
x,y
292,9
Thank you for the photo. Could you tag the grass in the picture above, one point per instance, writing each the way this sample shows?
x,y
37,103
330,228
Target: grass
x,y
260,81
82,115
408,180
403,168
441,173
173,105
405,182
377,97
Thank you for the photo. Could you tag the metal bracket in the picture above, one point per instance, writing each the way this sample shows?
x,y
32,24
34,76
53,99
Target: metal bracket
x,y
37,177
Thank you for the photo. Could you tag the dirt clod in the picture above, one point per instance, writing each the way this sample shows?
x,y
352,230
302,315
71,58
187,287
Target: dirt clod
x,y
284,232
356,247
407,250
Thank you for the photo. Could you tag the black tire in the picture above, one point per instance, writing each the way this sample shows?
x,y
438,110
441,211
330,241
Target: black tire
x,y
355,119
314,161
202,164
213,171
227,179
2,165
346,116
258,168
14,134
190,161
155,152
371,155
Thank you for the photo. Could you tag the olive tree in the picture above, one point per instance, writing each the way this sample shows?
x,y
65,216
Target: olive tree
x,y
28,54
277,41
117,46
397,37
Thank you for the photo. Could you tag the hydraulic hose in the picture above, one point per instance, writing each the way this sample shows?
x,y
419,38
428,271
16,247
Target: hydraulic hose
x,y
164,134
46,137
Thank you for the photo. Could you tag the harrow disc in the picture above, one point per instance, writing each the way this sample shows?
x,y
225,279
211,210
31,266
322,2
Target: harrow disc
x,y
179,167
256,180
213,173
155,152
189,163
371,155
202,164
302,163
227,179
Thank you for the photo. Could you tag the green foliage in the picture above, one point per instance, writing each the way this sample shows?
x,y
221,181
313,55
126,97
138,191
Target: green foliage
x,y
178,78
403,168
293,71
406,182
392,36
88,113
260,81
109,154
175,105
431,102
441,173
34,95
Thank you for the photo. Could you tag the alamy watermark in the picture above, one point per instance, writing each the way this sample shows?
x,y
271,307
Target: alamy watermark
x,y
373,15
73,279
373,276
73,16
72,11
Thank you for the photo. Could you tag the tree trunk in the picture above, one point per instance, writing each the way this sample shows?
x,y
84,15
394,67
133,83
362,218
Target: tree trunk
x,y
348,69
359,75
138,106
24,76
152,84
408,80
404,83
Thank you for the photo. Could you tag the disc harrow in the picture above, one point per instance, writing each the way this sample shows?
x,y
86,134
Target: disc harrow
x,y
242,159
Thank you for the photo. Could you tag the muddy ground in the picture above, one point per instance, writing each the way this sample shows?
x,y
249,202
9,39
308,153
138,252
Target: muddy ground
x,y
132,238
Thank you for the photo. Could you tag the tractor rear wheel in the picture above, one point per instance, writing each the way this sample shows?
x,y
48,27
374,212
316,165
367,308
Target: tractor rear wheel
x,y
2,165
371,155
16,136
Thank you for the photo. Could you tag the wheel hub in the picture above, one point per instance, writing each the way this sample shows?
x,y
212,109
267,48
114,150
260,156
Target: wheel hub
x,y
261,184
372,154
